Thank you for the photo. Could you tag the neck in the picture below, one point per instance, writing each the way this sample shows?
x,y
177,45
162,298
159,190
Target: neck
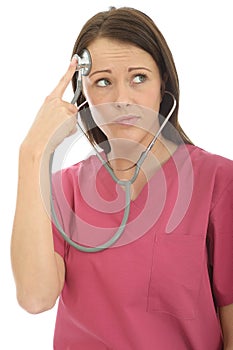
x,y
124,162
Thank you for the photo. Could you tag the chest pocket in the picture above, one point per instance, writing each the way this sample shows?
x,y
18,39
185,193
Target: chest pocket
x,y
176,275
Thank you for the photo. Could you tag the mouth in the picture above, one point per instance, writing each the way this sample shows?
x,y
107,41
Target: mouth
x,y
127,120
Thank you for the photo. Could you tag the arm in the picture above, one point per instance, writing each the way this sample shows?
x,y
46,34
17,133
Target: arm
x,y
226,317
39,272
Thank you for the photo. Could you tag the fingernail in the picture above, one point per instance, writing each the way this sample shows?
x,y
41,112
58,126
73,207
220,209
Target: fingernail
x,y
74,60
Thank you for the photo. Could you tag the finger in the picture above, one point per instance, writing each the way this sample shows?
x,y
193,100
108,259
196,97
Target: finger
x,y
65,80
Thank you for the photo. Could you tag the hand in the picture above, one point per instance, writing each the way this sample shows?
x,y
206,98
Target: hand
x,y
56,118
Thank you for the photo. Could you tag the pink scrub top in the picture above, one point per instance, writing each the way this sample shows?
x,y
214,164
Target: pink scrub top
x,y
160,285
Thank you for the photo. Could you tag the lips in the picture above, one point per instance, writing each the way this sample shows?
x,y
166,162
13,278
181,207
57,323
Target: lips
x,y
127,120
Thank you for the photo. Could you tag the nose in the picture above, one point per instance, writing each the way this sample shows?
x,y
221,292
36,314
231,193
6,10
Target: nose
x,y
122,95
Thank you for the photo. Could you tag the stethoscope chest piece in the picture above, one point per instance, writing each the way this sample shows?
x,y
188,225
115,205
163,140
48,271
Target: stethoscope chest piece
x,y
84,62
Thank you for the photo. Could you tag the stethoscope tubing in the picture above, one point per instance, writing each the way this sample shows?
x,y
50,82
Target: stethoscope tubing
x,y
108,243
125,183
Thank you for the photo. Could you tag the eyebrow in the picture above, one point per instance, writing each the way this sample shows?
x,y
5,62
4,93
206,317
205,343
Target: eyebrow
x,y
137,68
100,71
109,70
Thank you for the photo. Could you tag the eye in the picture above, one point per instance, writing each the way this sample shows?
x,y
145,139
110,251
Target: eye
x,y
139,78
102,82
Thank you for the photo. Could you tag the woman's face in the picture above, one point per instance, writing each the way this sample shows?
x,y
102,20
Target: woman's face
x,y
123,90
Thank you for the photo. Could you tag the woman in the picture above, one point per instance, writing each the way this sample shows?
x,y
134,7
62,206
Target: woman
x,y
167,283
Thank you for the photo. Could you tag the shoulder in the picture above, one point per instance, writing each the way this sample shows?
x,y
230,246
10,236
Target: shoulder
x,y
214,171
83,168
210,163
71,179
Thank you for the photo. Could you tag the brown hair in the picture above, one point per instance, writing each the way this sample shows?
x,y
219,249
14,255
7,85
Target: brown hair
x,y
133,26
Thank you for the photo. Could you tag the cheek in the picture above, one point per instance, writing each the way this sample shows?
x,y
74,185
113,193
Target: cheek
x,y
86,90
93,95
152,99
150,95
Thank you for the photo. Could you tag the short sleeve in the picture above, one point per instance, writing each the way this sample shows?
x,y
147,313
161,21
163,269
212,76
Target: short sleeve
x,y
59,242
220,234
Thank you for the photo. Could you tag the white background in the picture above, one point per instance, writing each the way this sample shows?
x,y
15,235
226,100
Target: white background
x,y
36,42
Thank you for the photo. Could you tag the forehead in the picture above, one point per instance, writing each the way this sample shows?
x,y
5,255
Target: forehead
x,y
108,51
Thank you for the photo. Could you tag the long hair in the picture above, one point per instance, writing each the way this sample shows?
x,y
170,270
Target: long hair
x,y
136,28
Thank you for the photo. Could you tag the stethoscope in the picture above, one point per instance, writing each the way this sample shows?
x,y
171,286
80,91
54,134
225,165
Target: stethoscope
x,y
83,69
